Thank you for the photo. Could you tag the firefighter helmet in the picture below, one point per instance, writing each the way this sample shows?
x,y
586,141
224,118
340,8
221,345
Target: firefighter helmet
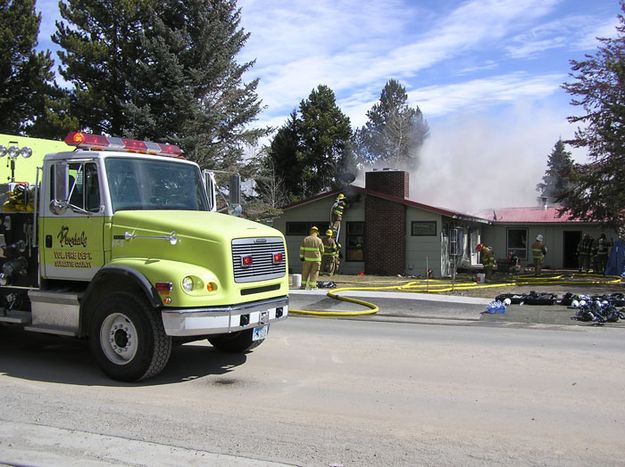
x,y
329,233
340,196
539,237
314,229
478,247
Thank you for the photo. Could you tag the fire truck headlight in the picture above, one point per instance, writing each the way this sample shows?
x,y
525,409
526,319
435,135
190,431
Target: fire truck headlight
x,y
187,284
26,152
12,151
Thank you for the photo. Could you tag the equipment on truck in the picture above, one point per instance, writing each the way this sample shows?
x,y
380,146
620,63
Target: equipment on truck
x,y
124,247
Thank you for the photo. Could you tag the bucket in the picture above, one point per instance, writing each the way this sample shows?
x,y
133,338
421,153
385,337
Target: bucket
x,y
295,280
480,278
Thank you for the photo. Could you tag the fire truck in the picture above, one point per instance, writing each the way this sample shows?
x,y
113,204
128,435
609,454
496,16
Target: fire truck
x,y
118,241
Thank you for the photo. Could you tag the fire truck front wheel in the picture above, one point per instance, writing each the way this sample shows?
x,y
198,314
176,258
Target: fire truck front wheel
x,y
127,338
236,342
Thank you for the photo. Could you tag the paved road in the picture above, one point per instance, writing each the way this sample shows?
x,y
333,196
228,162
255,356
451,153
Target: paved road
x,y
327,391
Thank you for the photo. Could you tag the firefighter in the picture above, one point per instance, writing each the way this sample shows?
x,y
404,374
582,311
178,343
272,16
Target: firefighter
x,y
337,212
584,253
487,257
329,262
539,250
310,253
601,255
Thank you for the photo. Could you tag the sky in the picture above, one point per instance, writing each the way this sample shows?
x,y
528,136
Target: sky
x,y
487,75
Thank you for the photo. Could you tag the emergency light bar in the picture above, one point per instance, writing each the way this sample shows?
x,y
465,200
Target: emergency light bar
x,y
109,143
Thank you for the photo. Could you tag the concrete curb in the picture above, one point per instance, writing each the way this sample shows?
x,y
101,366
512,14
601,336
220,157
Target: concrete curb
x,y
398,296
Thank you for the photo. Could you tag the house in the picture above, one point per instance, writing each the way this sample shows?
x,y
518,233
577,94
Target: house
x,y
513,230
385,233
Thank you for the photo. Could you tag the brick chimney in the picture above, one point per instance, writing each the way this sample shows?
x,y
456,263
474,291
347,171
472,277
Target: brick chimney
x,y
389,182
385,223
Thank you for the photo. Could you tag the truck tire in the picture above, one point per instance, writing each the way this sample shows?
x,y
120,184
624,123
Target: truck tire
x,y
127,338
236,342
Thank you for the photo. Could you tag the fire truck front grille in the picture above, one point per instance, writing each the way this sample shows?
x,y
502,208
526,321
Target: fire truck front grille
x,y
258,259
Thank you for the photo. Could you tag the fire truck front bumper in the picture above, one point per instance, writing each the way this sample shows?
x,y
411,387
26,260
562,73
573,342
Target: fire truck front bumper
x,y
221,320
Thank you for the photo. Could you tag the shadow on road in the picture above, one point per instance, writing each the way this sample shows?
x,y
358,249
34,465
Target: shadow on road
x,y
55,359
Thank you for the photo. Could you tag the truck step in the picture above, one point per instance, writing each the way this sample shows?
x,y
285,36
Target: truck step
x,y
58,332
16,317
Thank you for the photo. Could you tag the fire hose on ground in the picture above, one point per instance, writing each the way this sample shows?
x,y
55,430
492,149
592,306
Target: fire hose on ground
x,y
441,286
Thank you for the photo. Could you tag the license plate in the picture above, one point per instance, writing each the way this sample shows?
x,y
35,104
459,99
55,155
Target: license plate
x,y
260,333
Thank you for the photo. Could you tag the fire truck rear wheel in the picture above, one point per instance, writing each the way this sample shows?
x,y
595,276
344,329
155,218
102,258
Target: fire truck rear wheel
x,y
127,338
236,342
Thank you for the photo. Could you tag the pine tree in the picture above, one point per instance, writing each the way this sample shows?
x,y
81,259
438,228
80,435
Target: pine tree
x,y
326,136
597,192
394,131
312,152
30,102
162,70
287,160
101,42
558,174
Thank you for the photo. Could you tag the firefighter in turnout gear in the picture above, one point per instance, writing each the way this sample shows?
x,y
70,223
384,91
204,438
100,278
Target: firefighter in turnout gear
x,y
310,253
487,257
330,259
584,253
539,250
601,254
336,213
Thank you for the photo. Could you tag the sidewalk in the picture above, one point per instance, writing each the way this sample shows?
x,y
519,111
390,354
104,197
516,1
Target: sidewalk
x,y
420,306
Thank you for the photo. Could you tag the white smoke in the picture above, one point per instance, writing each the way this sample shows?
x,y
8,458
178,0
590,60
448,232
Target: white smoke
x,y
475,162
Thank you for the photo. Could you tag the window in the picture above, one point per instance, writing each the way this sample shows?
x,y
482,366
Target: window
x,y
82,184
423,228
141,183
517,243
355,240
303,228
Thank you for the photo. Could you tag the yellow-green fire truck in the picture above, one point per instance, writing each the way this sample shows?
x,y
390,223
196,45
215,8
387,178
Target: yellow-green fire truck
x,y
119,241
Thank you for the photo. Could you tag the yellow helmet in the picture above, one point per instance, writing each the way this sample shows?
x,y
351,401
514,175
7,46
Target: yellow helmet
x,y
329,232
314,229
340,196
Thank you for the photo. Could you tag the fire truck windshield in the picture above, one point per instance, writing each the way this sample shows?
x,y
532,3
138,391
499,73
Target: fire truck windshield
x,y
141,184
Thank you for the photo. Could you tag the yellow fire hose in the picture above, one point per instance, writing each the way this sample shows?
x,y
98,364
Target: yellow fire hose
x,y
440,286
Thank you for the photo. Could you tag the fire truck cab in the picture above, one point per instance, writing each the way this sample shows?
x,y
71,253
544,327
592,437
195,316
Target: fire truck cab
x,y
119,242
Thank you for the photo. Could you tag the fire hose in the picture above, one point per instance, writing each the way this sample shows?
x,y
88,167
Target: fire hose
x,y
441,286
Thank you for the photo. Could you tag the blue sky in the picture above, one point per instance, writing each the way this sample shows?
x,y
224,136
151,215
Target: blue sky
x,y
487,75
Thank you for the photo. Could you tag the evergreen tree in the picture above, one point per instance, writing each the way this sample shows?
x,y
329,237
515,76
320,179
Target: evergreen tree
x,y
101,42
312,151
286,159
326,136
30,102
558,174
394,132
162,70
598,189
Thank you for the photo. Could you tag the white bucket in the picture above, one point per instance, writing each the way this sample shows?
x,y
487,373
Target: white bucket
x,y
295,280
480,278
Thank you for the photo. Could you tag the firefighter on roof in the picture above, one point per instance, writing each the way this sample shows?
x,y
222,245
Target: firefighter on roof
x,y
337,212
330,260
310,253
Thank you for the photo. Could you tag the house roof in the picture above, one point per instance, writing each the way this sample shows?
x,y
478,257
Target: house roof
x,y
406,202
535,214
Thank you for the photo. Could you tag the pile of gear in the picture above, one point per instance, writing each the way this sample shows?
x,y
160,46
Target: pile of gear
x,y
599,309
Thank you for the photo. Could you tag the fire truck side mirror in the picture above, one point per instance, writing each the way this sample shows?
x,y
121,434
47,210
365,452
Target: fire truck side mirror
x,y
210,185
58,205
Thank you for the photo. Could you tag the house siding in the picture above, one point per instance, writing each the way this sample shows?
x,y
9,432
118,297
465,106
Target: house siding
x,y
423,252
496,236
